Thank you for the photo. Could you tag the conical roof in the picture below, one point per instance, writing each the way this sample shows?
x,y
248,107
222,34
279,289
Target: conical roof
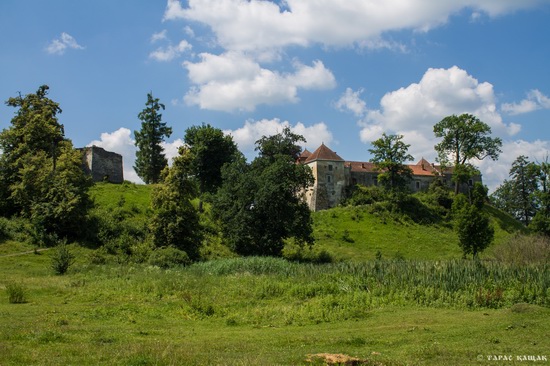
x,y
323,153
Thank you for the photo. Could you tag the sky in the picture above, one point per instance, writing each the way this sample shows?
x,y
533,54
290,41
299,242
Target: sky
x,y
338,72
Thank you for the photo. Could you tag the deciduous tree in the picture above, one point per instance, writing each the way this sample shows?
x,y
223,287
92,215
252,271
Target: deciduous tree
x,y
389,155
472,225
259,205
150,159
464,138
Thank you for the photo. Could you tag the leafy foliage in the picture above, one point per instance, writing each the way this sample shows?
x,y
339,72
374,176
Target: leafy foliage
x,y
168,257
259,204
62,259
175,220
150,160
40,170
209,151
474,230
390,154
465,137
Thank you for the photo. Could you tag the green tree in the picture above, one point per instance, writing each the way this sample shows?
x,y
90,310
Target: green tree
x,y
34,129
175,221
150,160
472,225
41,172
541,221
209,150
259,205
389,155
519,196
464,138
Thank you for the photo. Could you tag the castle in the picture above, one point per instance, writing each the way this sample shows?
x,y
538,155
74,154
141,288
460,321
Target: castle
x,y
333,176
102,165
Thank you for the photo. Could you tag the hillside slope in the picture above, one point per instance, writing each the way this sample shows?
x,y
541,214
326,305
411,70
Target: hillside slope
x,y
348,233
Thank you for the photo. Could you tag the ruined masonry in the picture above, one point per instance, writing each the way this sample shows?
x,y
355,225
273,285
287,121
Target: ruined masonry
x,y
102,165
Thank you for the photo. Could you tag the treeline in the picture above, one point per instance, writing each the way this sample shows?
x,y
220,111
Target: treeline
x,y
256,206
526,194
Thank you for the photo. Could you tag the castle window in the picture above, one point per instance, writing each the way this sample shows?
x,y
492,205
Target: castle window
x,y
329,178
470,183
417,184
330,167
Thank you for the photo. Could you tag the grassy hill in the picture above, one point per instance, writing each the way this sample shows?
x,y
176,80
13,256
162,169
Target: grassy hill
x,y
347,233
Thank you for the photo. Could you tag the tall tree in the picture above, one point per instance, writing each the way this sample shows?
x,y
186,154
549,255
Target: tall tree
x,y
150,159
465,137
175,221
41,174
259,205
472,225
209,151
520,195
389,155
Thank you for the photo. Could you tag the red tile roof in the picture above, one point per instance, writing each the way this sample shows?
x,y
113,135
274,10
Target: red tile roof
x,y
323,153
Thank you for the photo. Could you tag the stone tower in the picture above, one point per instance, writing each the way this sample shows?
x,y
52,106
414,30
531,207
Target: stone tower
x,y
330,179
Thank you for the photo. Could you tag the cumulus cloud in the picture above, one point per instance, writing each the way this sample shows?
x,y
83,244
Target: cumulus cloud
x,y
252,131
258,25
351,101
234,81
59,45
535,100
121,142
164,54
412,111
440,93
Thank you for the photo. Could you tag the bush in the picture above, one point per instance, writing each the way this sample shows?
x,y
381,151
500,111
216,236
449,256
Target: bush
x,y
16,293
62,259
362,195
167,257
4,229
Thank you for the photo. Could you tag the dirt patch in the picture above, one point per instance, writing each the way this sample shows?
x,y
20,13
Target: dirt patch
x,y
339,359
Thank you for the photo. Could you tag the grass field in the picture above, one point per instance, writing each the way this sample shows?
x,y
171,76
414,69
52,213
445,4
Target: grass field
x,y
269,311
420,304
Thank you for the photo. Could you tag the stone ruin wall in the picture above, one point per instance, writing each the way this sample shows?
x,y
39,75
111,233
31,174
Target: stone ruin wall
x,y
102,165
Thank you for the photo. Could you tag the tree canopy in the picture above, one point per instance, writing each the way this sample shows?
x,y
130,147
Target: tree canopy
x,y
40,172
259,205
464,138
150,159
209,150
389,155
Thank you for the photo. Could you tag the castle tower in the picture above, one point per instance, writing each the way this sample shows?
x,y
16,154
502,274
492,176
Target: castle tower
x,y
330,181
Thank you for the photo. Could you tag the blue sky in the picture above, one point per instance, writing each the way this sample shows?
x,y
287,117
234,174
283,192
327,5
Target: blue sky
x,y
338,72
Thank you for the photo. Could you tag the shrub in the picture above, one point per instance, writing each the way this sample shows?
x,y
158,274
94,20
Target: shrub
x,y
62,259
363,195
16,293
167,257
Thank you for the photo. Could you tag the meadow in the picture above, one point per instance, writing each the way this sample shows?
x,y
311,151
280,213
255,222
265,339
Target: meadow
x,y
382,301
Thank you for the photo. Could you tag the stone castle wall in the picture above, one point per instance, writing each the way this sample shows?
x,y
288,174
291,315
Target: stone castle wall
x,y
102,165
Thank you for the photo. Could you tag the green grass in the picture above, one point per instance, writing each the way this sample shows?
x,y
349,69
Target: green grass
x,y
353,233
269,311
129,196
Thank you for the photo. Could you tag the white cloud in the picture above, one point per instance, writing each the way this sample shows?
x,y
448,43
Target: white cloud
x,y
158,36
535,100
59,45
351,101
252,131
233,81
257,25
121,142
412,111
440,93
164,54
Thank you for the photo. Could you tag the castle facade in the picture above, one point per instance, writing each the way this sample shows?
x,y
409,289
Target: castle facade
x,y
334,176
